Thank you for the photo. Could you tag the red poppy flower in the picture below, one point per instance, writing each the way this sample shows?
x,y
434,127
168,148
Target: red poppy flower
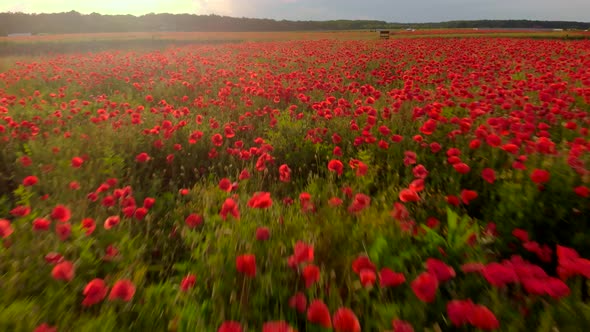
x,y
318,313
311,274
462,168
63,271
61,213
284,173
229,207
30,180
408,195
41,224
488,175
540,176
277,326
298,302
63,231
582,191
401,326
123,290
230,326
26,161
389,278
468,195
45,328
246,264
359,203
459,311
142,157
367,277
77,162
481,317
217,140
225,185
193,220
188,282
244,174
442,271
336,165
344,320
111,222
94,292
425,287
260,200
363,263
262,233
499,275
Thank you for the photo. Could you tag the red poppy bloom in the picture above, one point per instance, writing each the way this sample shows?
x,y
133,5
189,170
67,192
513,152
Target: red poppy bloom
x,y
142,157
229,207
94,292
262,233
77,162
389,278
482,318
284,173
367,277
582,191
298,302
63,271
30,180
360,202
318,313
63,231
193,220
499,275
311,274
302,253
277,326
468,195
442,271
488,175
111,222
260,200
188,282
401,326
462,168
123,290
225,185
246,264
217,140
540,176
41,224
363,263
425,287
230,326
244,174
459,311
344,320
61,213
45,328
336,165
408,195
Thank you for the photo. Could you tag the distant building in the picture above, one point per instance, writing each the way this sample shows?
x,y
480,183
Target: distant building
x,y
20,34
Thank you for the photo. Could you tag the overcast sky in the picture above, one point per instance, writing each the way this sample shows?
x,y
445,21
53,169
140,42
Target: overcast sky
x,y
387,10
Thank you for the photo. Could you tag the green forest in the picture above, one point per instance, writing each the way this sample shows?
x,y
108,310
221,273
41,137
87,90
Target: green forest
x,y
74,22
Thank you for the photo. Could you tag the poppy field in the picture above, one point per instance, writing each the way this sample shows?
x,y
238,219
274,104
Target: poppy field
x,y
415,184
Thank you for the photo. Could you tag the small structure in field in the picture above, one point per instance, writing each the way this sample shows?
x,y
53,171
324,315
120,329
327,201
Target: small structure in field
x,y
384,34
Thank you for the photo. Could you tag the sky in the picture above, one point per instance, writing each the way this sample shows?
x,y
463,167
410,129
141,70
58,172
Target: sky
x,y
385,10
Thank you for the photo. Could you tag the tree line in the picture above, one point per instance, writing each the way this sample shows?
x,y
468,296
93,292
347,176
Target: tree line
x,y
74,22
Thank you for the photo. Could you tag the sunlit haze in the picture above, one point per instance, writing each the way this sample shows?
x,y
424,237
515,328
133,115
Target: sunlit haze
x,y
388,10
